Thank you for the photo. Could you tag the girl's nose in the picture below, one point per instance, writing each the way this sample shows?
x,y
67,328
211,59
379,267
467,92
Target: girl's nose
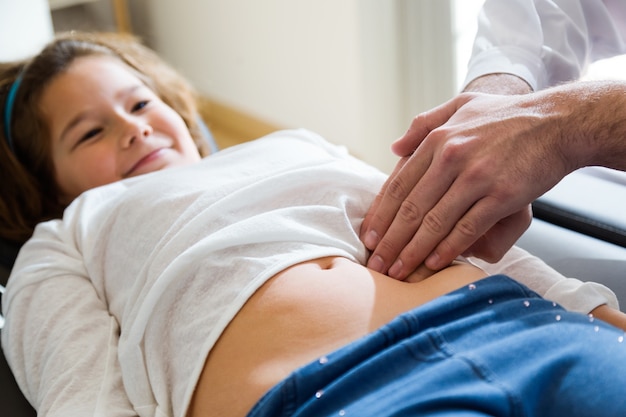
x,y
135,129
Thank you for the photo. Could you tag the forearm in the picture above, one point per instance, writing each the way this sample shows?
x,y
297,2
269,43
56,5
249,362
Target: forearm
x,y
573,125
610,315
590,118
75,342
73,368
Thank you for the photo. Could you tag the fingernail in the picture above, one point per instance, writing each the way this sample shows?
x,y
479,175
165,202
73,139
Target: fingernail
x,y
432,262
396,269
371,240
376,263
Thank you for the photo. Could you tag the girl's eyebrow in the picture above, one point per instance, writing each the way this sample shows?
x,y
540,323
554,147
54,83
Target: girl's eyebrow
x,y
75,121
120,95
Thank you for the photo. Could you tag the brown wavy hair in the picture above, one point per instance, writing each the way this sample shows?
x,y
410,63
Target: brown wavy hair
x,y
29,189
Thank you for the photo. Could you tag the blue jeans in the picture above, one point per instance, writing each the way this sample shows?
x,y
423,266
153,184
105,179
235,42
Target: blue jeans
x,y
494,348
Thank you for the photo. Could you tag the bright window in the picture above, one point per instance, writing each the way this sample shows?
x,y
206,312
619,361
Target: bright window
x,y
464,15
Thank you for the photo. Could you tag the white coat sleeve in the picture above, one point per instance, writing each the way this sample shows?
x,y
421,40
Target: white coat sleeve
x,y
59,339
546,42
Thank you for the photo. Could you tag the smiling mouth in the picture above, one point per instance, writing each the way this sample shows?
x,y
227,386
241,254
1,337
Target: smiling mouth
x,y
144,165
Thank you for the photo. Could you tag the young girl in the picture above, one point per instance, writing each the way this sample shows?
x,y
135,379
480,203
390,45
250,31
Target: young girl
x,y
235,283
30,191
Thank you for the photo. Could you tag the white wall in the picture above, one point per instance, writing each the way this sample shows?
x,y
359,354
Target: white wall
x,y
25,28
335,67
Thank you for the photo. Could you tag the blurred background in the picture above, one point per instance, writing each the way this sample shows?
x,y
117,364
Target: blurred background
x,y
355,71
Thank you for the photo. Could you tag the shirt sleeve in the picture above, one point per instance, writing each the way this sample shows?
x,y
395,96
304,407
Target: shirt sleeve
x,y
546,42
571,293
59,339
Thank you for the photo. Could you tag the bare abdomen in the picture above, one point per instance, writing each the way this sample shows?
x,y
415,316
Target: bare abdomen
x,y
301,314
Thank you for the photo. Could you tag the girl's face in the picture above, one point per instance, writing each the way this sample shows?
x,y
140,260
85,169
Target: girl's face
x,y
106,125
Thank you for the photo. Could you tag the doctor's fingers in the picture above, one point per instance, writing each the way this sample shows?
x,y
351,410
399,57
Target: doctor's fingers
x,y
415,160
426,122
418,207
487,230
494,243
436,240
381,218
419,146
389,201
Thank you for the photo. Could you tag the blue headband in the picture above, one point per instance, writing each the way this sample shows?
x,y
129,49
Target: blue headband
x,y
8,109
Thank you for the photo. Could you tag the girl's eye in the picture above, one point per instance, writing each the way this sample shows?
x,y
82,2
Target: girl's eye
x,y
140,105
90,134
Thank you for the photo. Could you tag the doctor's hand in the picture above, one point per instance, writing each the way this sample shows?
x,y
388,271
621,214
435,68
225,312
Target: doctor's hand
x,y
469,170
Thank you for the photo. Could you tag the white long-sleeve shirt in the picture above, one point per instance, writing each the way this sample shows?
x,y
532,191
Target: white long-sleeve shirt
x,y
112,310
131,289
546,42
